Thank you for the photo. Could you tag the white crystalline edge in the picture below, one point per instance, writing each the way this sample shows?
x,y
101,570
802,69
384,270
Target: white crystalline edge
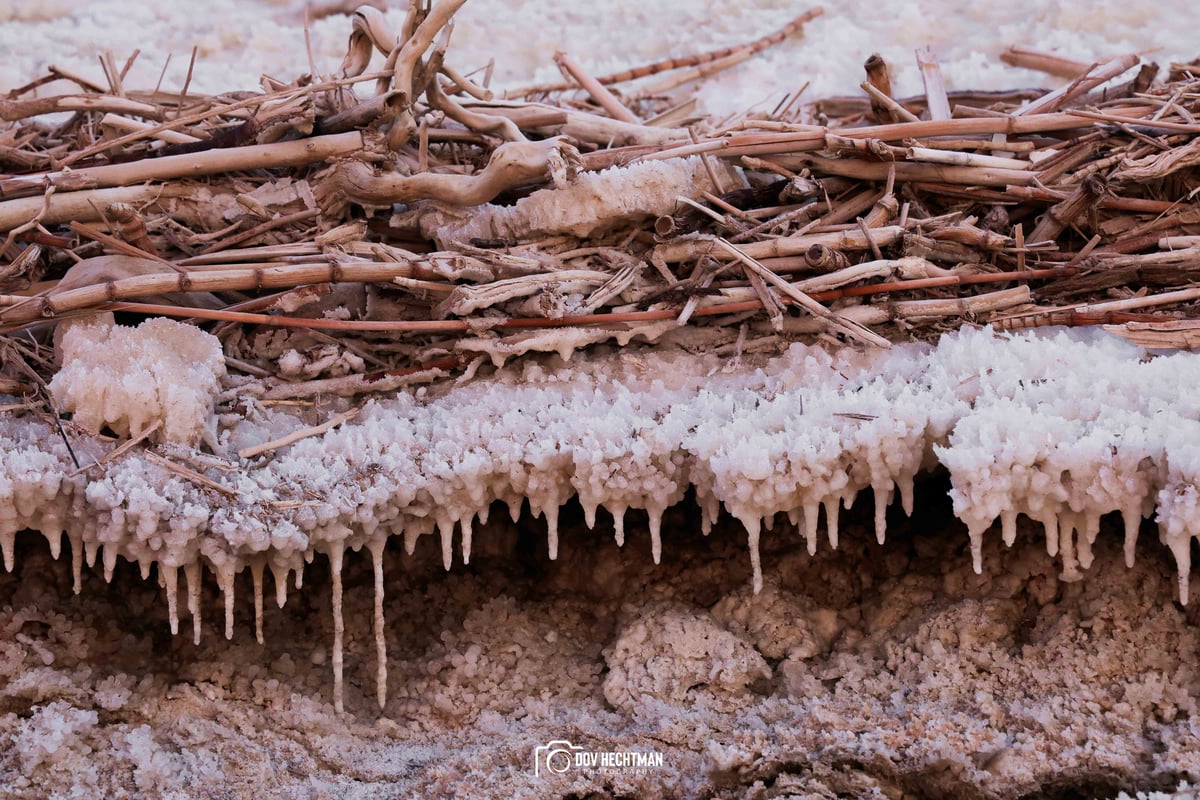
x,y
237,40
1062,427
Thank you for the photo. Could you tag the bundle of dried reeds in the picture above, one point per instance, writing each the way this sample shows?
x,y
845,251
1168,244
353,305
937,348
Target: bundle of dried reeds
x,y
423,225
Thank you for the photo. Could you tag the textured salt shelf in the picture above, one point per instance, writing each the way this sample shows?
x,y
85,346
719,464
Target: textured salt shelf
x,y
1062,428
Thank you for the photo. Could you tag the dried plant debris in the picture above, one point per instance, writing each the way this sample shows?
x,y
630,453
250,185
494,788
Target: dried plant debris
x,y
396,225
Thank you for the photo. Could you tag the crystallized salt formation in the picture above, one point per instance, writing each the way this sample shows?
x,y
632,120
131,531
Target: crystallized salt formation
x,y
127,379
593,203
1062,427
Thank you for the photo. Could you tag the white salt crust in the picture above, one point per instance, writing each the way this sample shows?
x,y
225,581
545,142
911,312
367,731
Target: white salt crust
x,y
1057,426
237,40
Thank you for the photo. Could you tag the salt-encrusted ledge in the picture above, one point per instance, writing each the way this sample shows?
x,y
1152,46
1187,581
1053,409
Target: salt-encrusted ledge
x,y
1063,427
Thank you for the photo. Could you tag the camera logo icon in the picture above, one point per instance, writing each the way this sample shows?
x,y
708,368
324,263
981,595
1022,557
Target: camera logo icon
x,y
554,757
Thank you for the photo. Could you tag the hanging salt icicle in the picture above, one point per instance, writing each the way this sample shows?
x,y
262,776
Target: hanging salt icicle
x,y
975,531
76,540
54,537
905,482
1181,548
1050,523
280,575
192,572
655,515
1086,537
882,499
1008,526
335,568
753,527
811,510
170,578
1133,521
256,574
831,519
446,531
1066,547
376,548
551,514
8,540
110,562
89,553
226,578
618,515
589,514
467,532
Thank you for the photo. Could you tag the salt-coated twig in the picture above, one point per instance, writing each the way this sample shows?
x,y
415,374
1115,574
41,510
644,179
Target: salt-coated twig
x,y
295,436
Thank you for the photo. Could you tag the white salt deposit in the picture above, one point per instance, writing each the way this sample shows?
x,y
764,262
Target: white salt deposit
x,y
1062,428
596,202
126,379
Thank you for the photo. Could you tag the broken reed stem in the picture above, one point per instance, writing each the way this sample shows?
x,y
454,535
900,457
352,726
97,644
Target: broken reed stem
x,y
15,110
935,87
209,113
603,97
206,281
804,301
295,436
189,474
744,51
463,326
879,87
1026,58
208,162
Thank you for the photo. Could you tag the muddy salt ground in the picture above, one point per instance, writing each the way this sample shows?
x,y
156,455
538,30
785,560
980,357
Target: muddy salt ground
x,y
936,663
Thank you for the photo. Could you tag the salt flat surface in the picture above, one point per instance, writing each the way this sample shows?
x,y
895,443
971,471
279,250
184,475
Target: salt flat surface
x,y
238,40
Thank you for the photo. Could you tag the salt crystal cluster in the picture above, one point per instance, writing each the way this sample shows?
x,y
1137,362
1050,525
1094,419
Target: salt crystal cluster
x,y
1060,427
127,378
594,202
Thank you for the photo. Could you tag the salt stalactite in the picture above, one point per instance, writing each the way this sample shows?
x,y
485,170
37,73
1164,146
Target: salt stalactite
x,y
551,514
883,498
170,580
76,539
339,628
831,519
467,531
110,562
192,571
753,527
618,515
226,580
280,575
8,538
376,547
811,512
446,531
803,434
655,534
1132,517
256,573
54,538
